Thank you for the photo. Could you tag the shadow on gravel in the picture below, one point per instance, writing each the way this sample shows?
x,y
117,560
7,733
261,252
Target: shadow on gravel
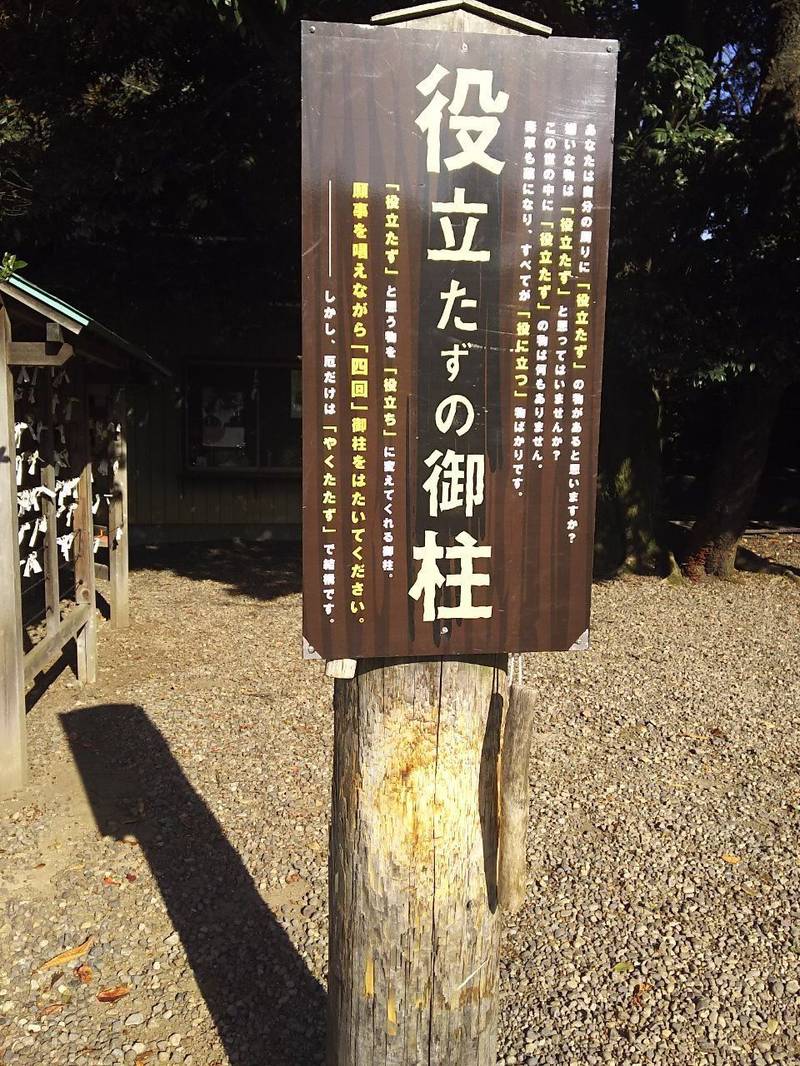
x,y
268,1008
262,570
761,564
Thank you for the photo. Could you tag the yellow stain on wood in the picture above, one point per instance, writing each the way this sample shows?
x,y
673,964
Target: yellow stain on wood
x,y
418,799
369,978
470,994
405,795
391,1015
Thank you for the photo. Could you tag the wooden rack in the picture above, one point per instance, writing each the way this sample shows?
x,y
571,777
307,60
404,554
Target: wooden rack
x,y
63,494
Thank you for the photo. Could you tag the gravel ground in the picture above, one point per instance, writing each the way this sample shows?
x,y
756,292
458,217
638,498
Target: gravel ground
x,y
663,916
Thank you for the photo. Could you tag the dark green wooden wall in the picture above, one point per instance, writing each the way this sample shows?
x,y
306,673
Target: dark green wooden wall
x,y
168,503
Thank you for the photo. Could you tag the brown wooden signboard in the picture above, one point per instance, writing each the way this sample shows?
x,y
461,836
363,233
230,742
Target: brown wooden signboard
x,y
456,193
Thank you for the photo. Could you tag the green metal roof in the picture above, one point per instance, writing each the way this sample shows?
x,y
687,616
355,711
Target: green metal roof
x,y
17,286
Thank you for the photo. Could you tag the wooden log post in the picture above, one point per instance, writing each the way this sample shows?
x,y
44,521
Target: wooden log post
x,y
414,915
13,756
52,594
83,522
515,798
118,514
414,923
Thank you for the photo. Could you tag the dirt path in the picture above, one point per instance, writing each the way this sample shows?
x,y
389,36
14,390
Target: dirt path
x,y
177,815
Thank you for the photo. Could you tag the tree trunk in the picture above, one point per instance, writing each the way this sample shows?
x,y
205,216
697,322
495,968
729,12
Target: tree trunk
x,y
734,480
629,527
781,87
414,925
773,150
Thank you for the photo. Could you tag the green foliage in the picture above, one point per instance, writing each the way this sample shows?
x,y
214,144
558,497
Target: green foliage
x,y
704,257
9,264
696,260
151,166
674,137
246,15
148,151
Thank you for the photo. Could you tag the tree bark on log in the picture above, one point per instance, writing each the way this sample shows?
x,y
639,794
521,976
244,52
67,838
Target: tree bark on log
x,y
512,867
414,922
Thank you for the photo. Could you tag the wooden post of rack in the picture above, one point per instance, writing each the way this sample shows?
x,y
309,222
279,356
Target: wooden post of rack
x,y
118,512
52,594
13,756
83,523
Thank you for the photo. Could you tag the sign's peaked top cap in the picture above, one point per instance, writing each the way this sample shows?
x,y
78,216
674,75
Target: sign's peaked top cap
x,y
495,14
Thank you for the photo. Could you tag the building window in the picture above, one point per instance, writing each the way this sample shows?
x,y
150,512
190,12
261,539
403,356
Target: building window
x,y
243,418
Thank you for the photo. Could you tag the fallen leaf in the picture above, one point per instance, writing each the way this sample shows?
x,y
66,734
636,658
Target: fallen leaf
x,y
143,1059
84,973
130,877
110,881
639,992
623,967
54,1008
728,857
68,956
111,995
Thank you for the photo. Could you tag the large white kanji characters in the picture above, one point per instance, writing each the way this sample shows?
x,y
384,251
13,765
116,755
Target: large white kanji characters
x,y
455,481
474,133
430,578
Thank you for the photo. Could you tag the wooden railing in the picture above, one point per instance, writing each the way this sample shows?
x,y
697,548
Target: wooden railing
x,y
19,669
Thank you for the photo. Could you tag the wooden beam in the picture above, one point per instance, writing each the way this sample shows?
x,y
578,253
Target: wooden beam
x,y
42,654
52,595
514,798
13,754
118,513
83,524
343,668
22,298
427,13
39,353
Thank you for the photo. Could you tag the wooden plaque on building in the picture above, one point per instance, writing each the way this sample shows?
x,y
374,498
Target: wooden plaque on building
x,y
456,194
